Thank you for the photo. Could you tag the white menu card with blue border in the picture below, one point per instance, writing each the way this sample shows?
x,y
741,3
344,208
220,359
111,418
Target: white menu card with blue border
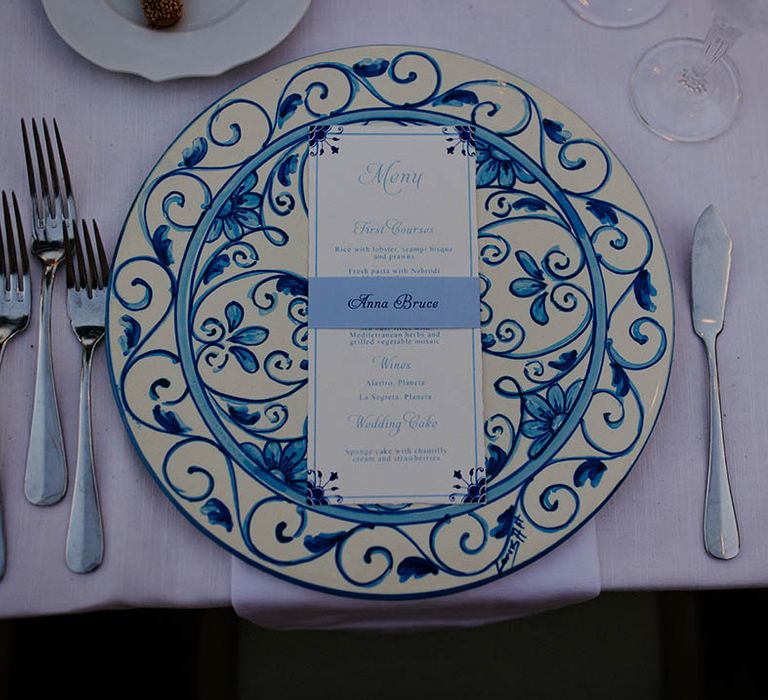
x,y
395,403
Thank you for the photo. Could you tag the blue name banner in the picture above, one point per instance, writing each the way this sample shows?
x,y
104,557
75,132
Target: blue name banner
x,y
394,302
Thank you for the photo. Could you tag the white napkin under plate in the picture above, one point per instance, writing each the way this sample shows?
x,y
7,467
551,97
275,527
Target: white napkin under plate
x,y
569,574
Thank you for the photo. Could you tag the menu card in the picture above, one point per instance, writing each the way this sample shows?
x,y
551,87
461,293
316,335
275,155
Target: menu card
x,y
395,391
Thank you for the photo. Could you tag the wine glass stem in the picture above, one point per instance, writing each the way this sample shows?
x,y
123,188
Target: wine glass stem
x,y
720,37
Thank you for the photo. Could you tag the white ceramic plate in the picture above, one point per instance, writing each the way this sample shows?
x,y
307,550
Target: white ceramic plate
x,y
208,328
212,37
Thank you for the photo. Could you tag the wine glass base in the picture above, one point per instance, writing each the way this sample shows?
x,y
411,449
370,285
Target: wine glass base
x,y
617,13
678,104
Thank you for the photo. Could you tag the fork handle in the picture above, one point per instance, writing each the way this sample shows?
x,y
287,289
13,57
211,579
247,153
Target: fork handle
x,y
721,531
3,552
45,481
85,539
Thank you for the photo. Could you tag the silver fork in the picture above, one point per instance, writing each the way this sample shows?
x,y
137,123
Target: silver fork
x,y
45,480
15,297
87,280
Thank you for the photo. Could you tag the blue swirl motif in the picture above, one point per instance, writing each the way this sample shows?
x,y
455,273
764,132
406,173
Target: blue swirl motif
x,y
566,351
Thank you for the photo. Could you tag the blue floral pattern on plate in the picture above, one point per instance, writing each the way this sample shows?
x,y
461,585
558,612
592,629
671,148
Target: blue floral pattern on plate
x,y
208,325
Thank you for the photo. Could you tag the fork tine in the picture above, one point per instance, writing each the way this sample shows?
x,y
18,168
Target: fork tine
x,y
5,282
102,255
93,279
45,194
83,282
13,266
22,241
68,245
33,193
64,166
51,160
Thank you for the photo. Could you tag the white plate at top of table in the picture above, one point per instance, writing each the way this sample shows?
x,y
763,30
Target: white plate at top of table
x,y
211,37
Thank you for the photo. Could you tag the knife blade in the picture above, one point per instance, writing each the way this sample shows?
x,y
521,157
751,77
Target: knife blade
x,y
710,270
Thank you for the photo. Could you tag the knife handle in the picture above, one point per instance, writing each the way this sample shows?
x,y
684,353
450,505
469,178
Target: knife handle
x,y
721,531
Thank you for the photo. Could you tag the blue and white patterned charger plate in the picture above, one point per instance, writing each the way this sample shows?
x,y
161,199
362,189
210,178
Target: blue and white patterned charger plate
x,y
208,334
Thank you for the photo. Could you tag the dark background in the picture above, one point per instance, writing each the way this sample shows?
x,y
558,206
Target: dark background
x,y
622,645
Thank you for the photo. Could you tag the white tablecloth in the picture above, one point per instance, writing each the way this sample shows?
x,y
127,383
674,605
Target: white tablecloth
x,y
115,126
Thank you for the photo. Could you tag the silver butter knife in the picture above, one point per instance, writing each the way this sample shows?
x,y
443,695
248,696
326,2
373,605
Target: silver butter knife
x,y
710,268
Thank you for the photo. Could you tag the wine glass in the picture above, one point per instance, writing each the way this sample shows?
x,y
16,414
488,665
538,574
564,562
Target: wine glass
x,y
688,89
617,13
